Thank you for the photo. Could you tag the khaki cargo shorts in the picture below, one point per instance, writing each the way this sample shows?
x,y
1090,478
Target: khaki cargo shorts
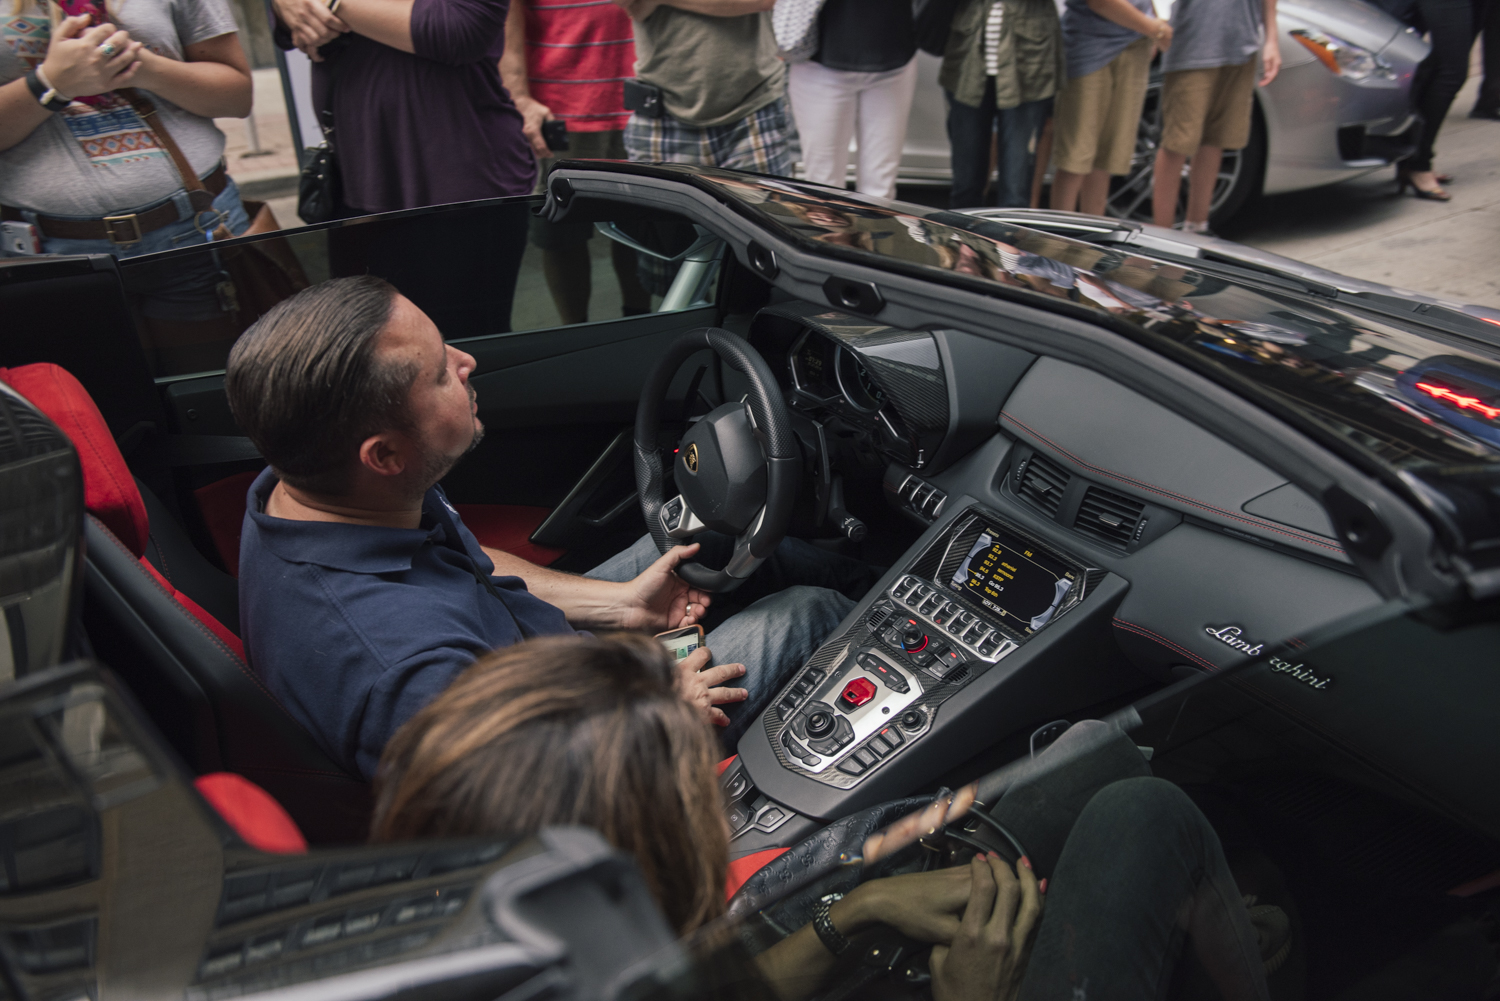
x,y
1208,107
1097,116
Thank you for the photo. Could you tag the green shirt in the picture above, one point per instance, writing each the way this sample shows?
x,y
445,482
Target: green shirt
x,y
711,70
1031,61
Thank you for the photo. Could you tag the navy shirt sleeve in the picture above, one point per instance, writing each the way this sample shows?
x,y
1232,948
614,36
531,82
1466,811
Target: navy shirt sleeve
x,y
402,690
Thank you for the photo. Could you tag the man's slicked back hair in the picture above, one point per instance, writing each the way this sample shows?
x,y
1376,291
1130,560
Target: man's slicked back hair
x,y
305,384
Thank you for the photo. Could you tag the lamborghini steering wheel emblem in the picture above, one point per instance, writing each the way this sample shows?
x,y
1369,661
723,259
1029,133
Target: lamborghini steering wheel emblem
x,y
692,458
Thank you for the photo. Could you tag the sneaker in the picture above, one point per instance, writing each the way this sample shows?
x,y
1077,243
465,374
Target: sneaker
x,y
1273,929
1201,228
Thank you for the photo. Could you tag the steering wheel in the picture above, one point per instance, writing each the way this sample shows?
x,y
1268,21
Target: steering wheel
x,y
737,469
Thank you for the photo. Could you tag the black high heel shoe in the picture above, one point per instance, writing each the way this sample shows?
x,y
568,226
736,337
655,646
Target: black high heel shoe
x,y
1437,194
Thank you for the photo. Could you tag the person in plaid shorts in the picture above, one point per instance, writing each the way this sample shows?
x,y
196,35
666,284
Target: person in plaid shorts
x,y
721,88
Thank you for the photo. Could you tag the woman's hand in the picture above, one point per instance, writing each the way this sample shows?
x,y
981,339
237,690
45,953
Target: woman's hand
x,y
311,23
78,64
988,954
700,685
920,905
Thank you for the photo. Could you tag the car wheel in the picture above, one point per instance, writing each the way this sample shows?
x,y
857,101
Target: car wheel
x,y
1240,174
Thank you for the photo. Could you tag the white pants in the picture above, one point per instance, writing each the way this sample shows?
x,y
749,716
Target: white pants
x,y
831,106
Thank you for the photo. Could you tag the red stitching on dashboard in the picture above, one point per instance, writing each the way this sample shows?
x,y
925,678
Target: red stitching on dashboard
x,y
1142,631
1167,493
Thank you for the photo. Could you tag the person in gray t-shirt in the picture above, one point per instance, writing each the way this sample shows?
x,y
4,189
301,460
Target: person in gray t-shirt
x,y
88,152
1207,97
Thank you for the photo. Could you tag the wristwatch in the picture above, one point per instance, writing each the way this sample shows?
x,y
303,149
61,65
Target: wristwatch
x,y
833,940
47,96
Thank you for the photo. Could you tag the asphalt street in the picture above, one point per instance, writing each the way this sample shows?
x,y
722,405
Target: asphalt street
x,y
1362,228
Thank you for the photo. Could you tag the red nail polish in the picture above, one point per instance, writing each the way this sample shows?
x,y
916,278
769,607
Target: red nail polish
x,y
1042,886
1026,861
979,856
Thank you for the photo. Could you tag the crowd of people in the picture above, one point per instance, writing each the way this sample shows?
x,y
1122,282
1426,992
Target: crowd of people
x,y
107,142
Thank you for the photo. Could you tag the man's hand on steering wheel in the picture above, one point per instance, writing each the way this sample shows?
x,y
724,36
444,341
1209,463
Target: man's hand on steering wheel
x,y
659,599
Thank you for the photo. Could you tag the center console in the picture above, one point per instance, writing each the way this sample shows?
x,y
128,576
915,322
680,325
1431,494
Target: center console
x,y
985,631
974,596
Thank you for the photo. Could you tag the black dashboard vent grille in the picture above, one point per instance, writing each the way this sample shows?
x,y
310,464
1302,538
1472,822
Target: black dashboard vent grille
x,y
1108,516
1043,483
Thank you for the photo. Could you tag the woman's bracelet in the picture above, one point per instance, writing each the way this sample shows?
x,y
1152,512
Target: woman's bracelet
x,y
333,6
46,94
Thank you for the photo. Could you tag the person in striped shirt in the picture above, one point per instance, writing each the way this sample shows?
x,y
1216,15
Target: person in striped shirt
x,y
567,60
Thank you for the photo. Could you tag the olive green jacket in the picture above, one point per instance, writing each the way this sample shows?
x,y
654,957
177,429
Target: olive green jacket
x,y
1032,66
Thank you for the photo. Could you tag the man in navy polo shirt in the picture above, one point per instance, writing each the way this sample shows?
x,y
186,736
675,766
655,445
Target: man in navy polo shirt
x,y
362,594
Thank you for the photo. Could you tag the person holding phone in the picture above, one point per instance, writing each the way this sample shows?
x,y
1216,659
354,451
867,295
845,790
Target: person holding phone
x,y
564,65
92,105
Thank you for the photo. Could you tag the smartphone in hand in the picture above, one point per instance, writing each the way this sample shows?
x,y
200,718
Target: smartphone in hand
x,y
681,642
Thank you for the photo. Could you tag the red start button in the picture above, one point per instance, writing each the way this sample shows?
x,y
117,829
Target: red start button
x,y
858,692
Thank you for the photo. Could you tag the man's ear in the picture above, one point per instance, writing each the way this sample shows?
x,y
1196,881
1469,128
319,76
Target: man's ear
x,y
385,454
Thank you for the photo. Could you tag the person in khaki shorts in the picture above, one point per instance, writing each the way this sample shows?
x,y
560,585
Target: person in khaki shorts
x,y
1207,95
1109,44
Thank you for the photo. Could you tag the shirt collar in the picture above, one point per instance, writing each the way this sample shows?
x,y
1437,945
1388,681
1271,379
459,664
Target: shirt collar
x,y
370,549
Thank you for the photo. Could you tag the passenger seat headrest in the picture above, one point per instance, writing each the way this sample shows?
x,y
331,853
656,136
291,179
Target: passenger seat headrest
x,y
109,489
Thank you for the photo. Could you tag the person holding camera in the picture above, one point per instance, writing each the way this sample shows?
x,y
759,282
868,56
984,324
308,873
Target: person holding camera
x,y
709,87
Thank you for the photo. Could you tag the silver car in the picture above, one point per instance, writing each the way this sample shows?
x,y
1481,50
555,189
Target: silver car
x,y
1338,109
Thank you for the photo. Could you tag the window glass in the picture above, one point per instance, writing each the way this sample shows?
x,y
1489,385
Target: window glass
x,y
477,269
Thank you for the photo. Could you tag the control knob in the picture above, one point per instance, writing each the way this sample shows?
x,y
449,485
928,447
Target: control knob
x,y
912,636
820,723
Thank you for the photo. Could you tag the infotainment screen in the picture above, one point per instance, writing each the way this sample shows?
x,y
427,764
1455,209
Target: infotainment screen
x,y
1023,586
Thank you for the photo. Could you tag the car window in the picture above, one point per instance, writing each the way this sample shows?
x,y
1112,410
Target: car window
x,y
476,268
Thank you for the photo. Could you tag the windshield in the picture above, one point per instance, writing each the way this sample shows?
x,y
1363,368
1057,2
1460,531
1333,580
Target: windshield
x,y
1407,398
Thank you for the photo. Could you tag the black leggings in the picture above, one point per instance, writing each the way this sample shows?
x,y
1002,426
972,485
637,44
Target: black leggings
x,y
1451,24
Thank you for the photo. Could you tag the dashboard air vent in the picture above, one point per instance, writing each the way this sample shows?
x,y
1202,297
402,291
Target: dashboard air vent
x,y
1108,516
1043,483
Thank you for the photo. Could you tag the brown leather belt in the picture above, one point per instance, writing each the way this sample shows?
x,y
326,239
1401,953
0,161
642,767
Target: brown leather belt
x,y
118,229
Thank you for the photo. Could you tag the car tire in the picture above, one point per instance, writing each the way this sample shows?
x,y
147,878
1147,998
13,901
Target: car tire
x,y
1241,175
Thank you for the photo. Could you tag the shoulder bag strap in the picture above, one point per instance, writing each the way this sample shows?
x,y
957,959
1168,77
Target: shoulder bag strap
x,y
149,114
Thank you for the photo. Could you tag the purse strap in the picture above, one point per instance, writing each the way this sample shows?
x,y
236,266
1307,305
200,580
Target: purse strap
x,y
151,115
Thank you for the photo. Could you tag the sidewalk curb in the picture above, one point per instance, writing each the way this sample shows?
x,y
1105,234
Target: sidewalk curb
x,y
263,187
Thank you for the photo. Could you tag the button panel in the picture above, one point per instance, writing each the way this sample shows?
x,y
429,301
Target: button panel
x,y
830,711
958,635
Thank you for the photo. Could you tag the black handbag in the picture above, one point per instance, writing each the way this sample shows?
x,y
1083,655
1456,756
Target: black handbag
x,y
319,188
934,19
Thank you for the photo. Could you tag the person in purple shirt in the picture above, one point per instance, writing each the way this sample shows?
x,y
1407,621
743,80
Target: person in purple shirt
x,y
419,113
362,593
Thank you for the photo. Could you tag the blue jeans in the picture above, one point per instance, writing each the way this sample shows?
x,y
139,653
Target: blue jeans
x,y
969,131
783,613
186,232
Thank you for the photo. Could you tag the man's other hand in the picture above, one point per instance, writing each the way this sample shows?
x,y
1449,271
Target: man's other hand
x,y
658,599
699,684
533,114
311,23
1270,60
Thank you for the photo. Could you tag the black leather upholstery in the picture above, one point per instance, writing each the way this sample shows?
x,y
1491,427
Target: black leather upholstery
x,y
205,698
175,557
818,854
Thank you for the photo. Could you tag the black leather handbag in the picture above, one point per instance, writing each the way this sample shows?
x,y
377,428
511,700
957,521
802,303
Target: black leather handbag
x,y
319,188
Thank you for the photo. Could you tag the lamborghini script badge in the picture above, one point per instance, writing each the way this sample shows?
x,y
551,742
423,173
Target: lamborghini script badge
x,y
692,458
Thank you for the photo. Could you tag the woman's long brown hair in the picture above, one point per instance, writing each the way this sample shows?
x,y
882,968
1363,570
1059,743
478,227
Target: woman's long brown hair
x,y
568,730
